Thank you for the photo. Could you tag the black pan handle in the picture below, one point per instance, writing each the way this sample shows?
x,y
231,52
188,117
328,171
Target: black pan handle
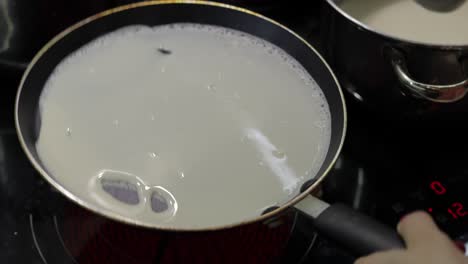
x,y
349,228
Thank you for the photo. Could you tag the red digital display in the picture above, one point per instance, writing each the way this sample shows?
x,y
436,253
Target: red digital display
x,y
456,210
438,188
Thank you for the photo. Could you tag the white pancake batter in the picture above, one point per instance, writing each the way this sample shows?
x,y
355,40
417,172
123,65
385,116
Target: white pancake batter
x,y
182,125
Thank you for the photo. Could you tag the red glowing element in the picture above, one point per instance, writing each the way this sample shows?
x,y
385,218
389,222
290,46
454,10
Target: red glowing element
x,y
457,211
460,211
438,188
429,210
454,215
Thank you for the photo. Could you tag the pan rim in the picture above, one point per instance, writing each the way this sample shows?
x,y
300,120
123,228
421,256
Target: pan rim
x,y
127,220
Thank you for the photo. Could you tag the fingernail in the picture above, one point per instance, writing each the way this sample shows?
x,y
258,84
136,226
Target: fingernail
x,y
460,245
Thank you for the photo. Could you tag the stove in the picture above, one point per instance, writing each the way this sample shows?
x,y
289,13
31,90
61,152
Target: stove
x,y
387,168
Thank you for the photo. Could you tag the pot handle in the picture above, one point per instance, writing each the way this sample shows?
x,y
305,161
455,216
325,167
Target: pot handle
x,y
353,230
436,93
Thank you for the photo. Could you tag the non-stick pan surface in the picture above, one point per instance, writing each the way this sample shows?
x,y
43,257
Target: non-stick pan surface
x,y
165,12
159,13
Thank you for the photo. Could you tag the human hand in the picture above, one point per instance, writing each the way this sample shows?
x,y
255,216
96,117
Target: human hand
x,y
425,244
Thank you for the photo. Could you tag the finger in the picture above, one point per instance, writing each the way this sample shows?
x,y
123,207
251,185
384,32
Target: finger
x,y
419,229
388,257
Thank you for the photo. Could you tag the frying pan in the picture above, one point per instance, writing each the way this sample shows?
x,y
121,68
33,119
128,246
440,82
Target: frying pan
x,y
353,230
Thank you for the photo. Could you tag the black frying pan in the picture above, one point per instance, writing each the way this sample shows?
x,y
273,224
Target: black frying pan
x,y
359,233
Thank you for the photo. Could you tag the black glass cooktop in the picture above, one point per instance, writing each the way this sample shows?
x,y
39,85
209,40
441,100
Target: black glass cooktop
x,y
387,168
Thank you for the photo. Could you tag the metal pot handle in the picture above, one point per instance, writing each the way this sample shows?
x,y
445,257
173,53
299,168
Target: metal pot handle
x,y
435,93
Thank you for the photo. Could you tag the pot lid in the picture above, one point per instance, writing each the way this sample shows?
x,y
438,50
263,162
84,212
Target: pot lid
x,y
411,20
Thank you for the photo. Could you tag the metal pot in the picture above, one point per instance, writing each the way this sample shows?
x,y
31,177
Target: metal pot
x,y
396,76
